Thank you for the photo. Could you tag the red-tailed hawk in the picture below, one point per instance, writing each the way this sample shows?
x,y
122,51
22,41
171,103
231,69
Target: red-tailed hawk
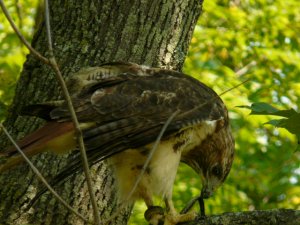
x,y
122,108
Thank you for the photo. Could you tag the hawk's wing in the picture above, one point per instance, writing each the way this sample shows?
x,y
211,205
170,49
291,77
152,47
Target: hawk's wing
x,y
130,112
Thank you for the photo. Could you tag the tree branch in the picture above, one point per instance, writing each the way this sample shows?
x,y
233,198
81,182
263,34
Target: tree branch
x,y
259,217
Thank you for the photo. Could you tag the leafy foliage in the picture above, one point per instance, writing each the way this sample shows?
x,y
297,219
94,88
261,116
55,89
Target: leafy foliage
x,y
12,52
291,122
233,41
256,40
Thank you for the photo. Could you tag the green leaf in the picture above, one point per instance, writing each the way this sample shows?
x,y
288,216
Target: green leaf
x,y
262,108
291,123
275,123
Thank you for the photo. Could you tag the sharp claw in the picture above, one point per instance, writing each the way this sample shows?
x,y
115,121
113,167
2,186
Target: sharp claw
x,y
154,215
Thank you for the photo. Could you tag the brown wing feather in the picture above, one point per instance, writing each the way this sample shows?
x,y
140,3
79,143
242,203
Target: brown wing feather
x,y
130,113
129,109
130,106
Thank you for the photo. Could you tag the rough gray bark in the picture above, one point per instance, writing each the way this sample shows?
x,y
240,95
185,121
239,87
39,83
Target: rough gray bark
x,y
87,33
261,217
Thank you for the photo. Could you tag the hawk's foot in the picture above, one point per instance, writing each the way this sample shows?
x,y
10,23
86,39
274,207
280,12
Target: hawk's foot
x,y
155,215
175,218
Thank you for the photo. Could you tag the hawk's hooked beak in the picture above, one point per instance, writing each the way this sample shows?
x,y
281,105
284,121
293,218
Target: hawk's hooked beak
x,y
207,191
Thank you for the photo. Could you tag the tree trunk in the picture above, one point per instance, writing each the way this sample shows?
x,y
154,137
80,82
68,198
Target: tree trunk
x,y
87,33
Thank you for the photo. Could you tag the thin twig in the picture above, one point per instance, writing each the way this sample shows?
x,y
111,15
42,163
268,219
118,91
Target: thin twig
x,y
22,38
234,87
46,61
40,176
53,64
212,99
74,118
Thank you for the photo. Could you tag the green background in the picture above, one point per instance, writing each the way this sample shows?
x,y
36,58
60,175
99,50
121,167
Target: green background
x,y
233,41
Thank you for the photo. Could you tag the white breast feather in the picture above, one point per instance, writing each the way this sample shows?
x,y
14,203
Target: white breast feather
x,y
159,179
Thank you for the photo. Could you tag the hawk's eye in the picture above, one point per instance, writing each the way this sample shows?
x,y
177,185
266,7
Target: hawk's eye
x,y
217,171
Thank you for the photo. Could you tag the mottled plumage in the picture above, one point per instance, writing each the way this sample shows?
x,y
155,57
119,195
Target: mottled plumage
x,y
122,107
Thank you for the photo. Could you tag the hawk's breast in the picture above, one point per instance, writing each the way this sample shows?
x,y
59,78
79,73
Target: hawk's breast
x,y
158,177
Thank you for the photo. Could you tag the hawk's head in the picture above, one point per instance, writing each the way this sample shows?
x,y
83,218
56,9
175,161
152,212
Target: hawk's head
x,y
212,159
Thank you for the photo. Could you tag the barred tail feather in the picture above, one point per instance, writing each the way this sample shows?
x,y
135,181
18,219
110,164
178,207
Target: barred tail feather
x,y
54,136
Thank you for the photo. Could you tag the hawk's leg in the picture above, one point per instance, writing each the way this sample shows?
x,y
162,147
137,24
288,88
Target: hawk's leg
x,y
154,214
173,217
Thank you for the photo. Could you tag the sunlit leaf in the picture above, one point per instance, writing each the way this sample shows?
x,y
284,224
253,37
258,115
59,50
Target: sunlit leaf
x,y
261,108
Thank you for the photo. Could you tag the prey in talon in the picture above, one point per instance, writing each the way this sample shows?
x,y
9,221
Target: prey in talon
x,y
192,202
202,206
121,108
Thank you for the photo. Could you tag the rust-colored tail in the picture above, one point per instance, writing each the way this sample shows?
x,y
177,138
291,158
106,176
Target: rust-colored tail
x,y
54,136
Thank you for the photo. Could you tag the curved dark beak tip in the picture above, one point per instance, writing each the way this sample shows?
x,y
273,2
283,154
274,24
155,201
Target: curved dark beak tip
x,y
206,194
